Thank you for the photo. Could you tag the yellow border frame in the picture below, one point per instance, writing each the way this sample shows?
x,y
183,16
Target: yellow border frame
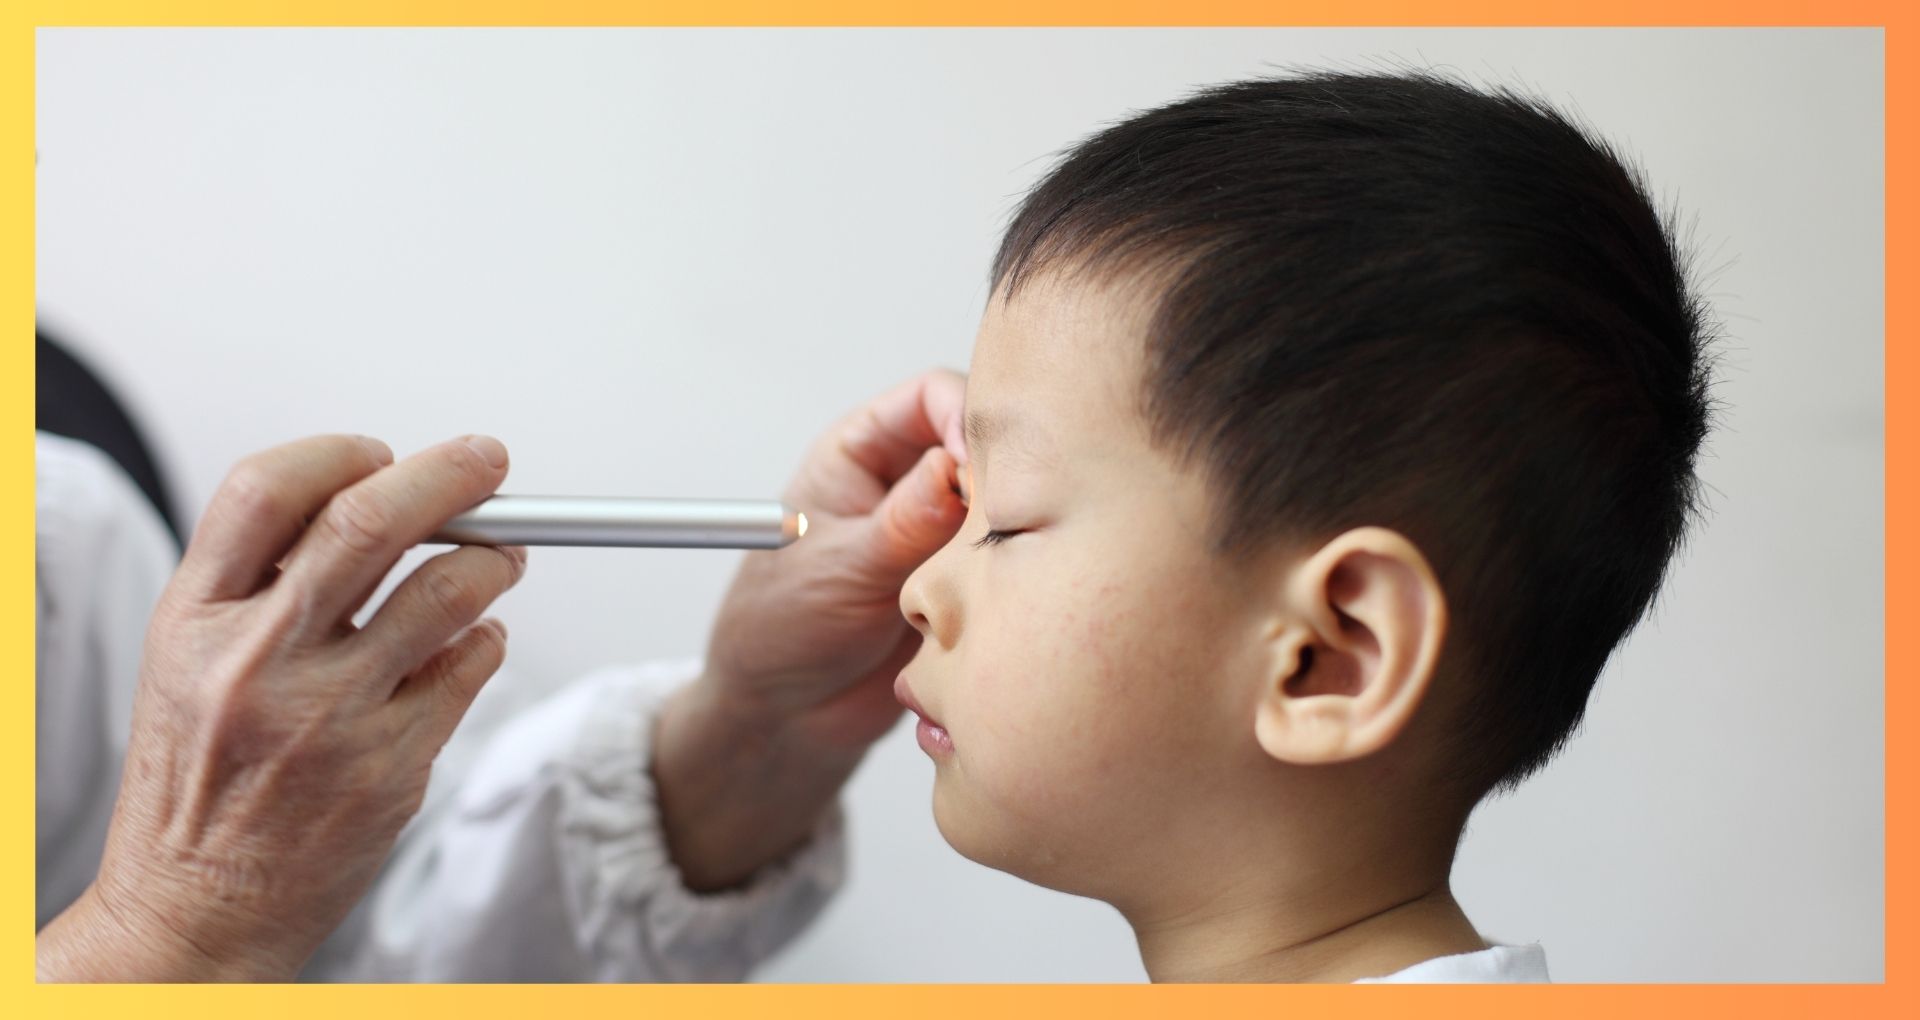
x,y
18,989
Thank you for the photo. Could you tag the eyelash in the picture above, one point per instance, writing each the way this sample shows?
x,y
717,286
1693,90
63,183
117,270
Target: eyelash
x,y
991,537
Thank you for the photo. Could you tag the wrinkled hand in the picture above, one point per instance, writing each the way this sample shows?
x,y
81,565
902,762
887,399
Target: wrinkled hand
x,y
277,749
800,668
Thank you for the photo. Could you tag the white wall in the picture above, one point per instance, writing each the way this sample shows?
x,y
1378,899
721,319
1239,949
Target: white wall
x,y
656,262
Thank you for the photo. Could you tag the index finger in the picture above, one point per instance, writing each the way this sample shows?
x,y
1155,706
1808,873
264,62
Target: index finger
x,y
362,532
264,503
889,435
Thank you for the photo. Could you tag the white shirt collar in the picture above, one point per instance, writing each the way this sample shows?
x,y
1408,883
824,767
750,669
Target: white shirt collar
x,y
1496,965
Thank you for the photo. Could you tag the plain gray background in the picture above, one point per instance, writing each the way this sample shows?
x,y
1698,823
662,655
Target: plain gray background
x,y
658,262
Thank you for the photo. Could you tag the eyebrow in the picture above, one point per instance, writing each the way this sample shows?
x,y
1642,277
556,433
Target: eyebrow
x,y
982,429
985,429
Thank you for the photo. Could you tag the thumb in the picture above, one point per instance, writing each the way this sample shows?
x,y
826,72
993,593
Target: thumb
x,y
919,514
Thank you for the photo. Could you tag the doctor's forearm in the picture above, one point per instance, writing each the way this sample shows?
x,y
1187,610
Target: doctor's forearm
x,y
737,791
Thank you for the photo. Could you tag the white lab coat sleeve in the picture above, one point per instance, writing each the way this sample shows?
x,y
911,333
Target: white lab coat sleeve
x,y
101,558
547,863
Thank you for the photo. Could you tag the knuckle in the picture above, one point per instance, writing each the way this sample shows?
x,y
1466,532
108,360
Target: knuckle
x,y
289,609
361,519
250,496
449,594
392,730
470,466
508,567
897,514
457,686
449,692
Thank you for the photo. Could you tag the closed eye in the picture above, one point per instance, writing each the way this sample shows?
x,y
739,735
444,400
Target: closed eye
x,y
997,537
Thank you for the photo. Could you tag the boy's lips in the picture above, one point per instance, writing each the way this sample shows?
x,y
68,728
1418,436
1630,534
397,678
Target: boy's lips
x,y
933,737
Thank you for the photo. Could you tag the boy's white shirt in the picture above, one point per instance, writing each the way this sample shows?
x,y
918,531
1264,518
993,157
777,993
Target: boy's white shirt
x,y
1494,965
537,855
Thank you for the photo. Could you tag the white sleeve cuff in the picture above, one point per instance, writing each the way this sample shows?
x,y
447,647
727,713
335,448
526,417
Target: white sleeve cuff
x,y
631,899
548,863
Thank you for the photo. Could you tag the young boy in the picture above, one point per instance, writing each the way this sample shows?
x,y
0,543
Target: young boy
x,y
1325,436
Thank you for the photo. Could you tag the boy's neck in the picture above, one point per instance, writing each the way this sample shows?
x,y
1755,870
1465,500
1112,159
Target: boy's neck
x,y
1330,941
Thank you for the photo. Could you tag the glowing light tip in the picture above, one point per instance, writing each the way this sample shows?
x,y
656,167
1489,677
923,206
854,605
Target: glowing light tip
x,y
802,526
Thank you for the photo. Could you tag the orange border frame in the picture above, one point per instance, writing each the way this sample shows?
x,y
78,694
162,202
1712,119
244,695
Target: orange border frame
x,y
1896,997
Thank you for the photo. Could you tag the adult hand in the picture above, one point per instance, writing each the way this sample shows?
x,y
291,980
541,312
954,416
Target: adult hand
x,y
277,749
800,670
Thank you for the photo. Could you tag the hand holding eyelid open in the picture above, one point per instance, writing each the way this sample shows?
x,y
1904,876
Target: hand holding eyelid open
x,y
809,639
919,514
1363,622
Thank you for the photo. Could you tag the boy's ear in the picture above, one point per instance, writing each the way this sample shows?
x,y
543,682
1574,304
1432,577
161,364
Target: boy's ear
x,y
1354,650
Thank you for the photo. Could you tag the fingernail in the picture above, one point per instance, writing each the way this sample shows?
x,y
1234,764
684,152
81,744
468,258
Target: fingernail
x,y
940,497
381,451
489,448
498,625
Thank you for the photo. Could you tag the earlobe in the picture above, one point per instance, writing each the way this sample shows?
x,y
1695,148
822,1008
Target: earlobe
x,y
1357,643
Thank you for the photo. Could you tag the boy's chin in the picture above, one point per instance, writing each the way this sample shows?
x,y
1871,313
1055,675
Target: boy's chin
x,y
998,839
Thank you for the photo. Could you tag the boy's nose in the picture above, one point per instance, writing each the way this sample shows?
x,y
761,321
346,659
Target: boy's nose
x,y
922,605
913,604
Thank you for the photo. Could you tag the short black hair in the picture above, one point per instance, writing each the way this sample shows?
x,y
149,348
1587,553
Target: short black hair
x,y
1397,299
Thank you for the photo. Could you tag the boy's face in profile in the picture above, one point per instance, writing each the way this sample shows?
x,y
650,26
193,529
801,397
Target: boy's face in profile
x,y
1094,665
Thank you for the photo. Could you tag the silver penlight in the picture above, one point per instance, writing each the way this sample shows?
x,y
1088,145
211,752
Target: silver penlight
x,y
619,521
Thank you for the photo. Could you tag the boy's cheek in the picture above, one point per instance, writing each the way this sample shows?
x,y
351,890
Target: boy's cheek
x,y
1027,727
1062,693
1052,748
1063,674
